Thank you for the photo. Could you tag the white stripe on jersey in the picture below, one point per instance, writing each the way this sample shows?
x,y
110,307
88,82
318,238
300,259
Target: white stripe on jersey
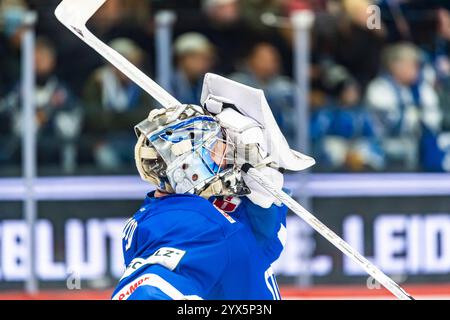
x,y
282,235
271,284
154,280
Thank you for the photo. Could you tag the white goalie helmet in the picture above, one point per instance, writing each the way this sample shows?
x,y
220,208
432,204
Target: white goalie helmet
x,y
185,150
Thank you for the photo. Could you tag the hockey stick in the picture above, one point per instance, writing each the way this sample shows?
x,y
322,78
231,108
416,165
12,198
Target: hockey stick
x,y
338,242
74,14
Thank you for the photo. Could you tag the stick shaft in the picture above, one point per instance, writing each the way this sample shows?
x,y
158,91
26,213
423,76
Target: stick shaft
x,y
75,13
332,237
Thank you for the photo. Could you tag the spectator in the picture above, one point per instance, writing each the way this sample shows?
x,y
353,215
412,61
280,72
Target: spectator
x,y
413,20
253,10
222,23
262,70
115,19
295,5
406,106
58,114
194,58
113,104
441,63
126,19
12,14
343,132
342,36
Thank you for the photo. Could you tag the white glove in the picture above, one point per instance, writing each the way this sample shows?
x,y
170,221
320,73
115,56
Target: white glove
x,y
248,139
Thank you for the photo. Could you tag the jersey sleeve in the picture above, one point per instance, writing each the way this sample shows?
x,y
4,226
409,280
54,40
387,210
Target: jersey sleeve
x,y
184,263
156,282
269,227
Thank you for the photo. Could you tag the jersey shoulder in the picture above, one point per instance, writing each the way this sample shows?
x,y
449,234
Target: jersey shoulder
x,y
179,221
187,214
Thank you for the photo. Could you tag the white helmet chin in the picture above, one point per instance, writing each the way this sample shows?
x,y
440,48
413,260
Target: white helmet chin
x,y
185,150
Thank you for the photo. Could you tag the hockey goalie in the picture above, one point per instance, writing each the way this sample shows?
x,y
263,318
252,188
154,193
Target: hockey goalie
x,y
217,219
207,232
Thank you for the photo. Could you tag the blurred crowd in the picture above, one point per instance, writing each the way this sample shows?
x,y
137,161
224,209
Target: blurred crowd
x,y
379,77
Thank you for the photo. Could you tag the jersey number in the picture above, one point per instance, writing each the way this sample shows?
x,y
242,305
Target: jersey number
x,y
128,232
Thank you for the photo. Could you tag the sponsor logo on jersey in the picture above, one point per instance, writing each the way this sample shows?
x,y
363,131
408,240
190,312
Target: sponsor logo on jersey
x,y
227,204
156,281
130,288
167,257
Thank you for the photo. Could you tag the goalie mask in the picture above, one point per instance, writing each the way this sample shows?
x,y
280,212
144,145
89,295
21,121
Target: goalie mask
x,y
185,150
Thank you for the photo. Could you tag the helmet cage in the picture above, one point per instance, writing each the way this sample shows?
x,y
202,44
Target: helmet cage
x,y
187,151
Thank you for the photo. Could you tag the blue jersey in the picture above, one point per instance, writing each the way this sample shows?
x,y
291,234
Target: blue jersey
x,y
186,247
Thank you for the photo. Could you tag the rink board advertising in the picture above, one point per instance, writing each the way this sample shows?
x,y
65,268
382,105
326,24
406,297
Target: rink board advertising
x,y
406,237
